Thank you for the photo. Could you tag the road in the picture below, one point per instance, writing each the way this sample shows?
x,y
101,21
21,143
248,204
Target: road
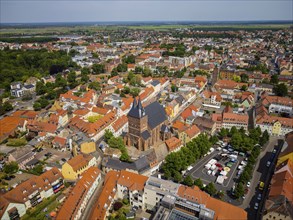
x,y
92,201
260,173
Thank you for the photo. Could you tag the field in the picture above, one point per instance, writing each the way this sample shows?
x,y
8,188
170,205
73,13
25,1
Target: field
x,y
52,30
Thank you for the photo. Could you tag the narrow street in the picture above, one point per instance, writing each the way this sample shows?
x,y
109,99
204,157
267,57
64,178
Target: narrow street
x,y
92,201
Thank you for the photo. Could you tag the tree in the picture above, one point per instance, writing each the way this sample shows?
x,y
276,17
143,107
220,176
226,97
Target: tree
x,y
129,59
167,174
220,194
122,67
117,206
211,189
37,106
198,182
98,68
135,92
10,168
40,88
7,106
264,138
213,139
274,79
95,85
280,89
174,88
244,87
108,135
239,190
188,181
244,78
177,177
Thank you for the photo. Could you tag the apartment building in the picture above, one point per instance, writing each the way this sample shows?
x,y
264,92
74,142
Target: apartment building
x,y
30,193
73,168
78,198
162,196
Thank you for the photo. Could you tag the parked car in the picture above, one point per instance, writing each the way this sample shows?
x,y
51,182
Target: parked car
x,y
256,206
268,163
259,196
248,184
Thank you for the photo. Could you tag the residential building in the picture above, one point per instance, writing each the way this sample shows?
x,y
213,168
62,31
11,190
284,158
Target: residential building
x,y
30,193
173,144
73,168
278,126
228,119
212,99
78,198
22,156
206,125
151,193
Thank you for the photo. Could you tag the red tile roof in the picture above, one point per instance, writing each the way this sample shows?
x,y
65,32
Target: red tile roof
x,y
173,143
77,195
223,210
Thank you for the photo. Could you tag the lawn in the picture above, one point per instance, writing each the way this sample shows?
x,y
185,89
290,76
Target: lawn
x,y
95,118
38,212
16,142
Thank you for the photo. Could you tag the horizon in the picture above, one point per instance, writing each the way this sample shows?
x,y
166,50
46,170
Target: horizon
x,y
43,11
159,22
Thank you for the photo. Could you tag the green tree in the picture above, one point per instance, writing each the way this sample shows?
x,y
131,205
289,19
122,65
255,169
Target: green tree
x,y
7,106
95,85
10,168
122,67
239,190
220,194
116,142
177,177
98,68
188,181
244,88
37,106
129,59
135,92
280,89
108,135
198,182
40,88
244,78
211,189
274,79
174,88
167,174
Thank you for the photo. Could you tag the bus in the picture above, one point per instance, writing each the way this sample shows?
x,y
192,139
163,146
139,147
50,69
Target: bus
x,y
261,185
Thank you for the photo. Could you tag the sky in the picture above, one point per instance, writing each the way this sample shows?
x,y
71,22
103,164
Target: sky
x,y
22,11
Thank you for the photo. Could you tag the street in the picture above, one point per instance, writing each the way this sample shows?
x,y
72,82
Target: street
x,y
261,173
92,201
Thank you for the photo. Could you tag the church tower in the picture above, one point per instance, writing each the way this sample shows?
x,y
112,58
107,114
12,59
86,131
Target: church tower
x,y
137,124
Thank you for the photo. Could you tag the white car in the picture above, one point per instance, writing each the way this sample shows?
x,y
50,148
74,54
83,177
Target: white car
x,y
248,184
256,206
259,196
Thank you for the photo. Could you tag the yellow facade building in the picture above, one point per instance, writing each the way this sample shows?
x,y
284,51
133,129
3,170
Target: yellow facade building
x,y
74,167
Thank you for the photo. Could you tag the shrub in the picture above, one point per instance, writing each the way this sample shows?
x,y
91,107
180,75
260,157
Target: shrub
x,y
117,206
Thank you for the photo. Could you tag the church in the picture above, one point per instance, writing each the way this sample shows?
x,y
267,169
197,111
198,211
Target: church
x,y
146,126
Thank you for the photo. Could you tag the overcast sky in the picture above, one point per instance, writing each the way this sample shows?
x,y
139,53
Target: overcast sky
x,y
23,11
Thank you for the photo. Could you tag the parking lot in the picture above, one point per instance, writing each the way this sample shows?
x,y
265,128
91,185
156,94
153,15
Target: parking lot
x,y
223,163
56,155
